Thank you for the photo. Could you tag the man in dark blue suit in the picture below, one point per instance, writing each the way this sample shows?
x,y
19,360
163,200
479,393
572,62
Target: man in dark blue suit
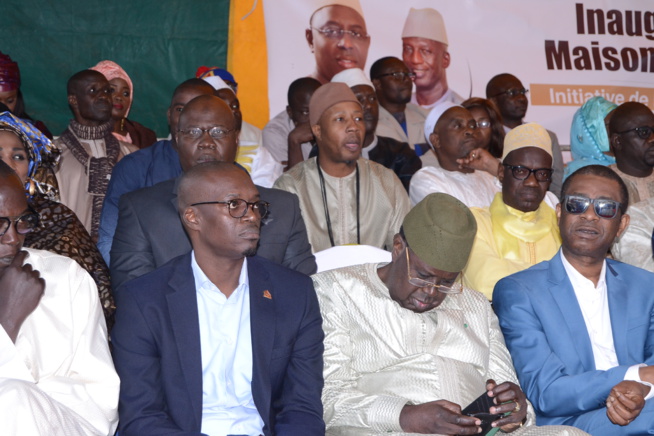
x,y
218,341
580,327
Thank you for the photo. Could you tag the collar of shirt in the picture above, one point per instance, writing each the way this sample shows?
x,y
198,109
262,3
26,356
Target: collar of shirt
x,y
365,151
579,281
203,282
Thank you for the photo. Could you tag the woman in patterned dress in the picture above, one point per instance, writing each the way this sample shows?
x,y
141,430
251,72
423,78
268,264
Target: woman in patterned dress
x,y
33,157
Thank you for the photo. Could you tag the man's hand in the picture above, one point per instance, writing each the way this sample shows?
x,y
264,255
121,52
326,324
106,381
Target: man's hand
x,y
441,417
480,159
517,404
300,134
625,401
21,289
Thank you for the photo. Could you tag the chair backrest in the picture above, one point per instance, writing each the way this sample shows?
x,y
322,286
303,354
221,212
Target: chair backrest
x,y
348,255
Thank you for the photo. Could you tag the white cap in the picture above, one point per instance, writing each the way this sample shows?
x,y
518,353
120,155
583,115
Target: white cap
x,y
217,83
319,4
434,115
425,23
353,77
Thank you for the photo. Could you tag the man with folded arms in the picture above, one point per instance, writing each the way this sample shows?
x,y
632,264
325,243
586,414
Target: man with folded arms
x,y
580,327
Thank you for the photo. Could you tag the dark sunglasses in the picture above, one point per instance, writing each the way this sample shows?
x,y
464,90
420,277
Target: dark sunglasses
x,y
643,132
604,208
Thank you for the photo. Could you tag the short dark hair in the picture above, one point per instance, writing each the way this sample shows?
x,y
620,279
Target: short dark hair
x,y
376,68
81,76
491,86
300,85
599,171
191,83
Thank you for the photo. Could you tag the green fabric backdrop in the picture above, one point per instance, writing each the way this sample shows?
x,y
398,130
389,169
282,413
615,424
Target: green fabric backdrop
x,y
159,43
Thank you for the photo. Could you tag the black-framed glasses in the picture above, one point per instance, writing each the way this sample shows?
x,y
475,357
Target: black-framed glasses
x,y
604,208
238,207
24,223
456,288
512,92
522,173
399,75
214,132
643,132
337,34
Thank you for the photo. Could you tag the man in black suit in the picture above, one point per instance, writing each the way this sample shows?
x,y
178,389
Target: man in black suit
x,y
219,341
149,231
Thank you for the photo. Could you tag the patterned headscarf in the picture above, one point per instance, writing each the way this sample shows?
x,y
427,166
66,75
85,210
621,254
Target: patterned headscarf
x,y
43,156
588,137
9,74
112,70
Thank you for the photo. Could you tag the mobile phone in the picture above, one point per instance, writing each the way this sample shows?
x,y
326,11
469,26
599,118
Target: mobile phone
x,y
480,409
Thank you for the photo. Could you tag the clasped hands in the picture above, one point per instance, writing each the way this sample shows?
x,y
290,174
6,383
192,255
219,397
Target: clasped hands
x,y
444,417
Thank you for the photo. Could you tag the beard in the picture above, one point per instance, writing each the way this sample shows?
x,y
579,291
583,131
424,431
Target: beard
x,y
250,251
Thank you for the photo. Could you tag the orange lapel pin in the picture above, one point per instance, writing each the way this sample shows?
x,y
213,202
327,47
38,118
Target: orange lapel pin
x,y
266,294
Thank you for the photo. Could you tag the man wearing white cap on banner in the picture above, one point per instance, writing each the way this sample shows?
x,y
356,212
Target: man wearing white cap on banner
x,y
519,229
393,154
337,36
452,132
344,199
424,51
263,168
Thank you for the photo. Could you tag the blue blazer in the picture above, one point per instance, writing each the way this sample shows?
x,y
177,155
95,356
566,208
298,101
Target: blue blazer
x,y
546,334
156,345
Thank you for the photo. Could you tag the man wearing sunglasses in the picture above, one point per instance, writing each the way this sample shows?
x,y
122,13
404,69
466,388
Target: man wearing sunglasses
x,y
56,372
519,228
398,118
407,347
580,327
510,96
219,341
632,141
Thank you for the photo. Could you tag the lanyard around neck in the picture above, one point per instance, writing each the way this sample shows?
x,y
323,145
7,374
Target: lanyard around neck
x,y
324,202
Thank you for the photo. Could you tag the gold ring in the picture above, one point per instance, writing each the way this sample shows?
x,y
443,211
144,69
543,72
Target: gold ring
x,y
517,407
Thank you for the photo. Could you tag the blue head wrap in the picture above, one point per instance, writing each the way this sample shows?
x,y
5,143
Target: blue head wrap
x,y
588,137
42,154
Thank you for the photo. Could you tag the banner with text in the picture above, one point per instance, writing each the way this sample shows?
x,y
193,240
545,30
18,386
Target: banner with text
x,y
565,52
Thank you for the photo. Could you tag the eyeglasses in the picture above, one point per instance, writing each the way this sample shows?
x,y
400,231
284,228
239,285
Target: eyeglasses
x,y
643,132
337,34
604,208
24,223
238,207
456,287
214,132
483,124
399,75
522,173
512,92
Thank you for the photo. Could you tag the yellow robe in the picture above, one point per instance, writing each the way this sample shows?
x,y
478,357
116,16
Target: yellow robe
x,y
496,253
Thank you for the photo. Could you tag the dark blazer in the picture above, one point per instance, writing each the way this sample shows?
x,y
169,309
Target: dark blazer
x,y
150,233
546,334
156,344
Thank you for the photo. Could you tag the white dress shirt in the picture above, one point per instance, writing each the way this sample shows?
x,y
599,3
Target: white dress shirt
x,y
594,303
226,347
